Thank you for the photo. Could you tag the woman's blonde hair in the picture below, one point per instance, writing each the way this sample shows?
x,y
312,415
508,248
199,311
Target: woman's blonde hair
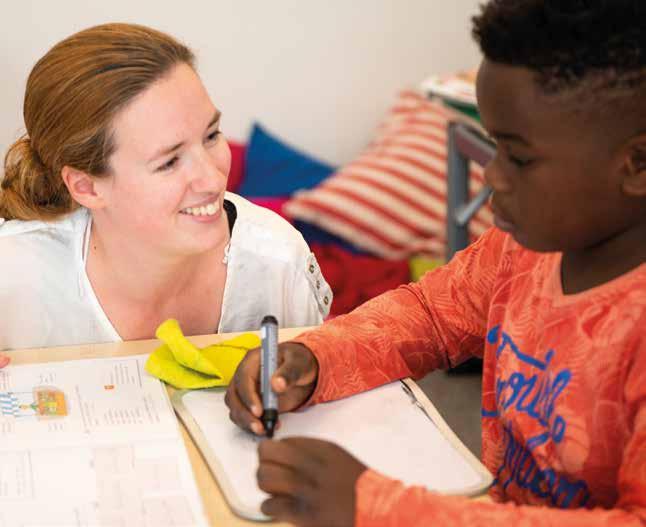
x,y
73,94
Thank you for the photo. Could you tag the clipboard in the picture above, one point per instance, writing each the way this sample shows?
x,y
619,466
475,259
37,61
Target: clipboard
x,y
414,445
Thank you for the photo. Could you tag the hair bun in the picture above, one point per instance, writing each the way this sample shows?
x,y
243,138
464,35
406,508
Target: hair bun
x,y
21,155
28,184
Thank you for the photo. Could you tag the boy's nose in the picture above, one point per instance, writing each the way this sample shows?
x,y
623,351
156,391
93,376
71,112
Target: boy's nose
x,y
496,178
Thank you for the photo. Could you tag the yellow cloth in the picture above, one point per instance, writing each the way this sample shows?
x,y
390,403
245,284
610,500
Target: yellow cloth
x,y
183,365
419,265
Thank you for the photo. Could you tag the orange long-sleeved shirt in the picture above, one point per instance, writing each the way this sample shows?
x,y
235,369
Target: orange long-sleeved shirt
x,y
564,386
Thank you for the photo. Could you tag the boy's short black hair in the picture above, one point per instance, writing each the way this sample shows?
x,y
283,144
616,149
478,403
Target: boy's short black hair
x,y
568,42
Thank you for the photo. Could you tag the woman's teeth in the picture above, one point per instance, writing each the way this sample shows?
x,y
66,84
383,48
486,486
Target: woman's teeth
x,y
205,210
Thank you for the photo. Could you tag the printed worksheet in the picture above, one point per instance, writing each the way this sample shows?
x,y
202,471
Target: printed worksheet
x,y
92,442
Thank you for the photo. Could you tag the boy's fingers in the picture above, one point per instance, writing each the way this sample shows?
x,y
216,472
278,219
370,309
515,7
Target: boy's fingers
x,y
308,446
298,367
246,384
279,479
4,360
283,508
240,414
286,375
243,397
286,454
247,390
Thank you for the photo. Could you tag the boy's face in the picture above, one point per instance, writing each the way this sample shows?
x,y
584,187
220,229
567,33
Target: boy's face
x,y
557,178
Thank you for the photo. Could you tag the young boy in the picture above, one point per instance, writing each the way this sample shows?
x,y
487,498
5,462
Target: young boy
x,y
553,300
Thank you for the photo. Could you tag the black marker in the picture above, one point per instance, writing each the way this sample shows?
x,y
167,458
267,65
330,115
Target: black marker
x,y
268,363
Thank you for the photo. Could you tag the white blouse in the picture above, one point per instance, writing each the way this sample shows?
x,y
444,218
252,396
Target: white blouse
x,y
46,298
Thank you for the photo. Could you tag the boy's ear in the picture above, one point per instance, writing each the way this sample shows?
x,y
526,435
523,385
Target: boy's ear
x,y
634,181
82,188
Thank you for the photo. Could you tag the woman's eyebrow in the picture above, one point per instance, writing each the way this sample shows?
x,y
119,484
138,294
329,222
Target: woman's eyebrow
x,y
215,119
166,150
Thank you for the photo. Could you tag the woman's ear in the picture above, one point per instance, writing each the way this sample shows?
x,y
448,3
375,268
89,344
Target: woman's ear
x,y
634,181
82,187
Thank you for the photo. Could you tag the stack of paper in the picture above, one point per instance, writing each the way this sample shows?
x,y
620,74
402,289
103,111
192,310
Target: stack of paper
x,y
458,87
92,442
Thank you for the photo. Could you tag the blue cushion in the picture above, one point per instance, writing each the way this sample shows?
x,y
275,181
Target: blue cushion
x,y
276,169
314,234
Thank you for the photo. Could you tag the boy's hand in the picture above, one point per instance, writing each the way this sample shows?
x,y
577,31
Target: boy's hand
x,y
312,482
4,360
293,381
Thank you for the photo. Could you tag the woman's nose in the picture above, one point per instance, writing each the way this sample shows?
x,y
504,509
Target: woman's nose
x,y
207,175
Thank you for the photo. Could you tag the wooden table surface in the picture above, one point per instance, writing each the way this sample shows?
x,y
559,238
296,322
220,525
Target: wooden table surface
x,y
215,506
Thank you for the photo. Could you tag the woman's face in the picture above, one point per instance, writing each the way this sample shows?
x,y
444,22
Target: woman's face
x,y
169,169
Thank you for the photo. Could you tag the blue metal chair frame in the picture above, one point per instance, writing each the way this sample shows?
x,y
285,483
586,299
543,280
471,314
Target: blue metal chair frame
x,y
464,145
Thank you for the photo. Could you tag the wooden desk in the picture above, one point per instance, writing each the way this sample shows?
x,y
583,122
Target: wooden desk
x,y
217,510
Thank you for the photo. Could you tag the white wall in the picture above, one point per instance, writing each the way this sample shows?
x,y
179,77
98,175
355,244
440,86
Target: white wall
x,y
318,73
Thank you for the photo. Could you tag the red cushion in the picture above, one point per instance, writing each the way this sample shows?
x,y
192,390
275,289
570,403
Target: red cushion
x,y
354,279
236,174
391,199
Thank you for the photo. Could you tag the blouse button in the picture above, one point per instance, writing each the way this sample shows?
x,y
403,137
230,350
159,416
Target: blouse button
x,y
326,300
311,268
318,284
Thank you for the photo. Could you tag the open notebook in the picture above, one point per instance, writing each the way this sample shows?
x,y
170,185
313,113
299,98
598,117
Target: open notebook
x,y
393,429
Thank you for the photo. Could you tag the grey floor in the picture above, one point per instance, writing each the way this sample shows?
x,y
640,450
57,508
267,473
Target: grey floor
x,y
457,398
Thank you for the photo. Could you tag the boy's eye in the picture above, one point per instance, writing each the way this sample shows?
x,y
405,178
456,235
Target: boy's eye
x,y
169,164
517,161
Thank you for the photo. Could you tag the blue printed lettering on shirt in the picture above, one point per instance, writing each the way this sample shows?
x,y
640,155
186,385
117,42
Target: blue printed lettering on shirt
x,y
534,395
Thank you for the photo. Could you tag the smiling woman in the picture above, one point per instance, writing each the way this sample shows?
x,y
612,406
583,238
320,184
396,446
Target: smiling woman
x,y
113,210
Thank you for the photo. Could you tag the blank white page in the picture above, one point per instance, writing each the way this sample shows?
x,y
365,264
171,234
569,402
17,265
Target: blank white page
x,y
383,428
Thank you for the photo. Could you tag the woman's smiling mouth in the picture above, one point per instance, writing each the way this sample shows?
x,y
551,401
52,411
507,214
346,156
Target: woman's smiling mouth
x,y
208,209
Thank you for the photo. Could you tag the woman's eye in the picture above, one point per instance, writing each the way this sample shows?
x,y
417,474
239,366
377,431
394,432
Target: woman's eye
x,y
169,164
213,135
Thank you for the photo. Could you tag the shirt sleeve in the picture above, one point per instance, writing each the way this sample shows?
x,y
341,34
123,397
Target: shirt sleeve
x,y
437,322
308,297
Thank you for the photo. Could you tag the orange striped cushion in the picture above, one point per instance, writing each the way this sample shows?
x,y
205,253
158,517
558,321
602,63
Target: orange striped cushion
x,y
391,200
